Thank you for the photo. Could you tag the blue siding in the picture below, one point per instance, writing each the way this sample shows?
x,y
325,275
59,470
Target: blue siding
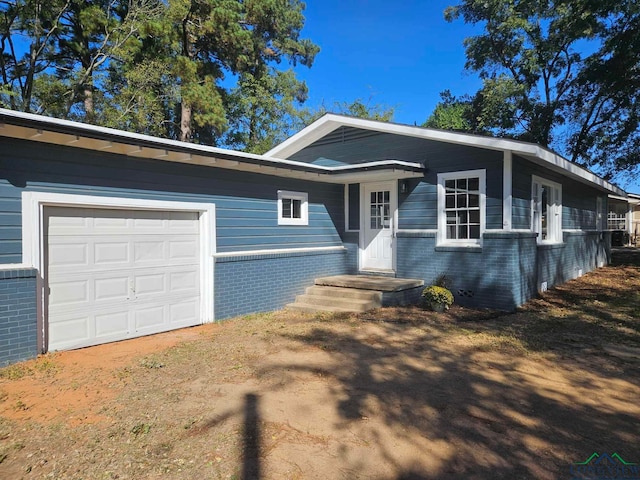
x,y
418,208
351,145
578,199
354,206
18,328
246,203
247,284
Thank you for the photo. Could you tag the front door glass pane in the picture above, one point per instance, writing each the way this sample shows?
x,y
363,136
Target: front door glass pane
x,y
380,210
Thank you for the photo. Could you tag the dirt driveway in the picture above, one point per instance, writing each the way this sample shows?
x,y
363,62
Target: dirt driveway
x,y
392,394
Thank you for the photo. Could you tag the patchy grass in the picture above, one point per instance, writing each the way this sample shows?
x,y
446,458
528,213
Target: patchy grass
x,y
395,393
43,366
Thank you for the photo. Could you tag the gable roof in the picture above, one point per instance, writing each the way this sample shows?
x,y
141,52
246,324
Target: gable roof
x,y
49,130
531,151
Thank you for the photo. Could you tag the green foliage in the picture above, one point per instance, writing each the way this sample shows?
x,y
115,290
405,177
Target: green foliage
x,y
454,113
437,295
198,70
263,111
564,74
358,108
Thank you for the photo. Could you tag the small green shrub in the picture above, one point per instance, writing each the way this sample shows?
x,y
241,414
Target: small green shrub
x,y
437,295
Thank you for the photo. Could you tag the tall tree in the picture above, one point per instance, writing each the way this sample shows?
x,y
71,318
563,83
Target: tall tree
x,y
92,34
27,40
559,73
263,111
212,41
186,69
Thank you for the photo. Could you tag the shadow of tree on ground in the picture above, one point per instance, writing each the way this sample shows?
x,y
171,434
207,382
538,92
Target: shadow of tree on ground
x,y
521,396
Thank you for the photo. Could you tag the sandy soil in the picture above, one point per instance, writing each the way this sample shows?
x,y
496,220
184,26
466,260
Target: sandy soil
x,y
391,394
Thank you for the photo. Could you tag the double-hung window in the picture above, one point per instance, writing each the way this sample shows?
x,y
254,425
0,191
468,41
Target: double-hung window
x,y
546,210
461,207
293,208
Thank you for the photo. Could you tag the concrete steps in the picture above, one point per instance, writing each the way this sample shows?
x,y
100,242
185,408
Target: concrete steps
x,y
336,299
356,293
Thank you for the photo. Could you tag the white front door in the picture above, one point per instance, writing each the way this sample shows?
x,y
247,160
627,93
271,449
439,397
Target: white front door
x,y
379,202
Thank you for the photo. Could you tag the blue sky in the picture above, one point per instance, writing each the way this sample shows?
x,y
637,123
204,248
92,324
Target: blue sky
x,y
401,54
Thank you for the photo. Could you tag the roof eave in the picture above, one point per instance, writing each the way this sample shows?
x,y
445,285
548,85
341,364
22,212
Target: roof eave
x,y
331,122
62,132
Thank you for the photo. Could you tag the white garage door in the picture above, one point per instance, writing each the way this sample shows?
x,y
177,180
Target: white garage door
x,y
117,274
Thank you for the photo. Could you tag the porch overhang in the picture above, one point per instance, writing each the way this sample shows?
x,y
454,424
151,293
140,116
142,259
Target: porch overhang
x,y
48,130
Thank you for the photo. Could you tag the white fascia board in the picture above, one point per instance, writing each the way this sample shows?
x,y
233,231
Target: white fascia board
x,y
377,163
373,176
137,138
305,137
159,149
632,198
331,122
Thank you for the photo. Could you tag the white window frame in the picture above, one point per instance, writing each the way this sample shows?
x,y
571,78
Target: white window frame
x,y
303,197
617,221
442,216
554,220
600,218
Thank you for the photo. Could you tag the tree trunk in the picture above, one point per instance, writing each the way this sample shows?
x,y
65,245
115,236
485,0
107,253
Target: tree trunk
x,y
88,104
185,123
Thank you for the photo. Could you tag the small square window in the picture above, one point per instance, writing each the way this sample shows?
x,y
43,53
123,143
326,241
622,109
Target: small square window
x,y
293,208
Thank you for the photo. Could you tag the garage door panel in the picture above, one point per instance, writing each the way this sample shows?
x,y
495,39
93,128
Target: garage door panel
x,y
184,312
61,225
70,330
68,254
150,284
109,220
182,222
149,318
107,253
182,281
183,250
116,274
73,292
110,324
149,251
150,221
112,288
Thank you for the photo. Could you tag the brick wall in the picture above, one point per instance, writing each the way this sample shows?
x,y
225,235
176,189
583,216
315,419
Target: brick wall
x,y
506,271
351,241
580,252
18,327
261,283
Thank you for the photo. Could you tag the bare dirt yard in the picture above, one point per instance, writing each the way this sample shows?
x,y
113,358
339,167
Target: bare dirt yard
x,y
392,394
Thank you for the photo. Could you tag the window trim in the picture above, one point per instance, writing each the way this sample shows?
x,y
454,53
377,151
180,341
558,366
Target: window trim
x,y
554,229
601,218
442,217
304,207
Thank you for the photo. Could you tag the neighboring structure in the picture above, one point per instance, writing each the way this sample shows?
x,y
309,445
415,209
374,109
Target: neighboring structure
x,y
106,235
623,219
634,202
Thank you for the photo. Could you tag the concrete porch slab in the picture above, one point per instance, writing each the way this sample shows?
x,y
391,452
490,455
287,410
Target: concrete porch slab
x,y
370,282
